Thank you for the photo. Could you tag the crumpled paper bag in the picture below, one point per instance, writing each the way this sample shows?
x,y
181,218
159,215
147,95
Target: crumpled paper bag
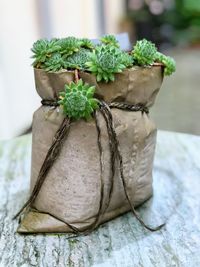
x,y
71,191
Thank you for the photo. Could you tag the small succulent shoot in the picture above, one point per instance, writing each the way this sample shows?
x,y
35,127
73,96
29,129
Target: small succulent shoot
x,y
109,40
127,59
78,59
77,100
168,62
104,62
86,43
69,46
144,52
42,50
54,63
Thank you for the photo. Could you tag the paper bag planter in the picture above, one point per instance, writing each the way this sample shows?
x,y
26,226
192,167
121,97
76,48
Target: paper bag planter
x,y
93,161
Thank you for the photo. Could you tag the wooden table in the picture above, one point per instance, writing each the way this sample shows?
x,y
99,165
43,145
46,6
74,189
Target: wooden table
x,y
122,242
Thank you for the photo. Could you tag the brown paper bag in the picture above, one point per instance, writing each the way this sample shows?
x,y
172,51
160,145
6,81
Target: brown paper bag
x,y
71,192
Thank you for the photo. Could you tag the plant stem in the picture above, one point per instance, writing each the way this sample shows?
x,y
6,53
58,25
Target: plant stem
x,y
76,75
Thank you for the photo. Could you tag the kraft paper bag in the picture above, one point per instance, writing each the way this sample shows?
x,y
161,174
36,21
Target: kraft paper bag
x,y
71,192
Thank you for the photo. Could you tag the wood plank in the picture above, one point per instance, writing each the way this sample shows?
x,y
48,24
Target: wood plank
x,y
123,241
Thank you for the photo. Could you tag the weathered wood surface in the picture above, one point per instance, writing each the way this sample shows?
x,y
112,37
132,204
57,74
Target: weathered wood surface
x,y
121,242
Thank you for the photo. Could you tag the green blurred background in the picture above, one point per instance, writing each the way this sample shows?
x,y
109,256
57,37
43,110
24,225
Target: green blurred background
x,y
167,23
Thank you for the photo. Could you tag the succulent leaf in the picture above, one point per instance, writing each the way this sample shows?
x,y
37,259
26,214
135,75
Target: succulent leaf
x,y
77,101
144,52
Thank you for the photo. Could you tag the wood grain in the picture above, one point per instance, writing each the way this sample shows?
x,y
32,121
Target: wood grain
x,y
121,242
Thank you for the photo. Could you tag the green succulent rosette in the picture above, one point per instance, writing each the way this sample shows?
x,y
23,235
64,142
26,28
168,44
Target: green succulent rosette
x,y
54,63
77,101
104,62
42,50
86,43
78,60
109,40
144,52
168,62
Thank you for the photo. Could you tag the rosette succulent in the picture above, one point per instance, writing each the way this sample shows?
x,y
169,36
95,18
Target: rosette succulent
x,y
77,100
54,63
144,52
42,50
127,59
86,43
168,62
69,46
104,62
109,40
78,59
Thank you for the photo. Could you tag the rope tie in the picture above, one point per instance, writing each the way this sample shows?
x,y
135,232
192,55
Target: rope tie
x,y
119,105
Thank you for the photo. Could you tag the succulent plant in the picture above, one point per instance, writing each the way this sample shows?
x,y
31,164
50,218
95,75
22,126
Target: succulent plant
x,y
69,46
78,59
43,49
104,62
109,40
86,43
168,62
127,59
144,52
77,100
54,63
